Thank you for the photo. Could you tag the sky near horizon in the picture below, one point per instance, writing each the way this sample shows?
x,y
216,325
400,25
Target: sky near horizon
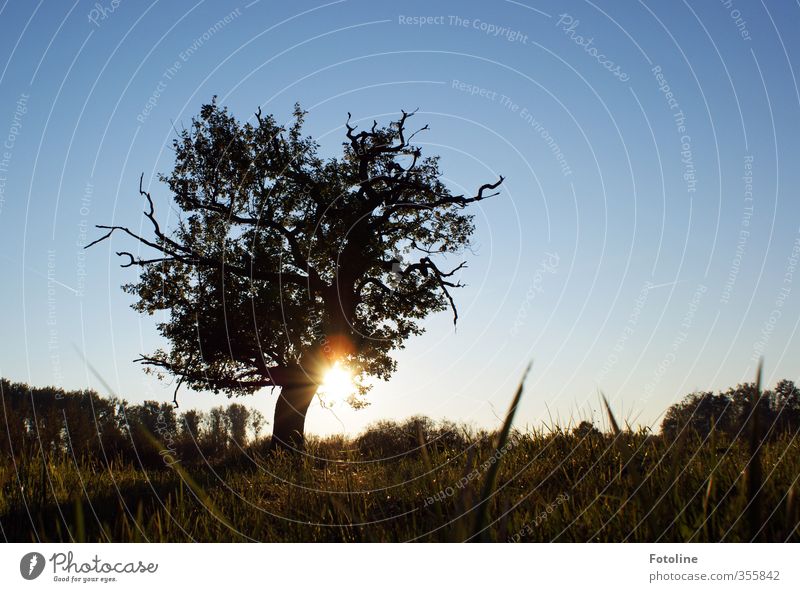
x,y
645,242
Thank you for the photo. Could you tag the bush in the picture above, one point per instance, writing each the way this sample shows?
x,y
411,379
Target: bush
x,y
388,438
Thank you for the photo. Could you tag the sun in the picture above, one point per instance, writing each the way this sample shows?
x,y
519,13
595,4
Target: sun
x,y
337,384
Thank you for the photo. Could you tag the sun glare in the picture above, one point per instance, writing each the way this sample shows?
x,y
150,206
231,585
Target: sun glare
x,y
337,383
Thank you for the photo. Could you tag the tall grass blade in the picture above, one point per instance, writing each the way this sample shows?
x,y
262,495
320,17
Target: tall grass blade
x,y
754,470
80,522
792,518
611,418
481,517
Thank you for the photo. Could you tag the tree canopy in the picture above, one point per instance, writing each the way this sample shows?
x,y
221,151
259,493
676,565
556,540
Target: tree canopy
x,y
283,262
728,412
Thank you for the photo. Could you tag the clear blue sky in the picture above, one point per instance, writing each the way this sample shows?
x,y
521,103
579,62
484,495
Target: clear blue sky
x,y
642,244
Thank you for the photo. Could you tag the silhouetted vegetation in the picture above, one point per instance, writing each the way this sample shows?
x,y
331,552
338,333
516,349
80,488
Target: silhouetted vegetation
x,y
388,438
727,413
81,467
82,425
284,263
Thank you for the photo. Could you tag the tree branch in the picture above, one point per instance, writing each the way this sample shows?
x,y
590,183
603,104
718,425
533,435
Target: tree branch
x,y
175,252
425,265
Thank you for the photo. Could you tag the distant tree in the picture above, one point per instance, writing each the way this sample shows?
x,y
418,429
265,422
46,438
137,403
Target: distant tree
x,y
43,419
238,419
387,438
12,438
190,422
698,412
49,420
256,423
153,429
90,424
216,432
785,404
283,263
190,434
105,416
585,429
731,411
744,401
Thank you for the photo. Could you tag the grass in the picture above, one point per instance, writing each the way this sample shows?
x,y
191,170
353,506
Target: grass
x,y
553,485
628,487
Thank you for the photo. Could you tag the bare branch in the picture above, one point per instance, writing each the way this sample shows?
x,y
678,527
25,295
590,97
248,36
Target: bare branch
x,y
426,266
370,280
277,375
177,252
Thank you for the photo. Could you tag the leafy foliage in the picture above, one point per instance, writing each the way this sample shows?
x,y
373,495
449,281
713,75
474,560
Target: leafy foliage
x,y
283,261
728,412
82,424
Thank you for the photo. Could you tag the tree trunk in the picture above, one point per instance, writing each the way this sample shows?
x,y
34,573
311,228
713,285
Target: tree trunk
x,y
288,428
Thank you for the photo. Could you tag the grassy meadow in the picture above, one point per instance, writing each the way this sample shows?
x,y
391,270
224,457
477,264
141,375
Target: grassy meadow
x,y
558,485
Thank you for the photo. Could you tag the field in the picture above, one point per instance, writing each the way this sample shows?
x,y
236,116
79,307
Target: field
x,y
554,486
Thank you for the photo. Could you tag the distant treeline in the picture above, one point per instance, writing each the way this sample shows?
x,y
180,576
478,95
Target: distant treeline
x,y
776,411
51,420
86,425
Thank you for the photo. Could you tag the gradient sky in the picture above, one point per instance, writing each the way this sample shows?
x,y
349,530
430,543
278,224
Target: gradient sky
x,y
644,243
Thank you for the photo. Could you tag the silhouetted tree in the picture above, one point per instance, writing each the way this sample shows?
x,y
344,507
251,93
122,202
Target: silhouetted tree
x,y
256,423
785,404
190,422
216,432
585,429
49,420
190,434
744,402
153,430
238,418
90,424
283,263
44,421
698,412
388,438
730,412
12,417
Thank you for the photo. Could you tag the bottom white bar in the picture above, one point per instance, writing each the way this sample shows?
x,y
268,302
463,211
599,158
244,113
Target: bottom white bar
x,y
390,567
